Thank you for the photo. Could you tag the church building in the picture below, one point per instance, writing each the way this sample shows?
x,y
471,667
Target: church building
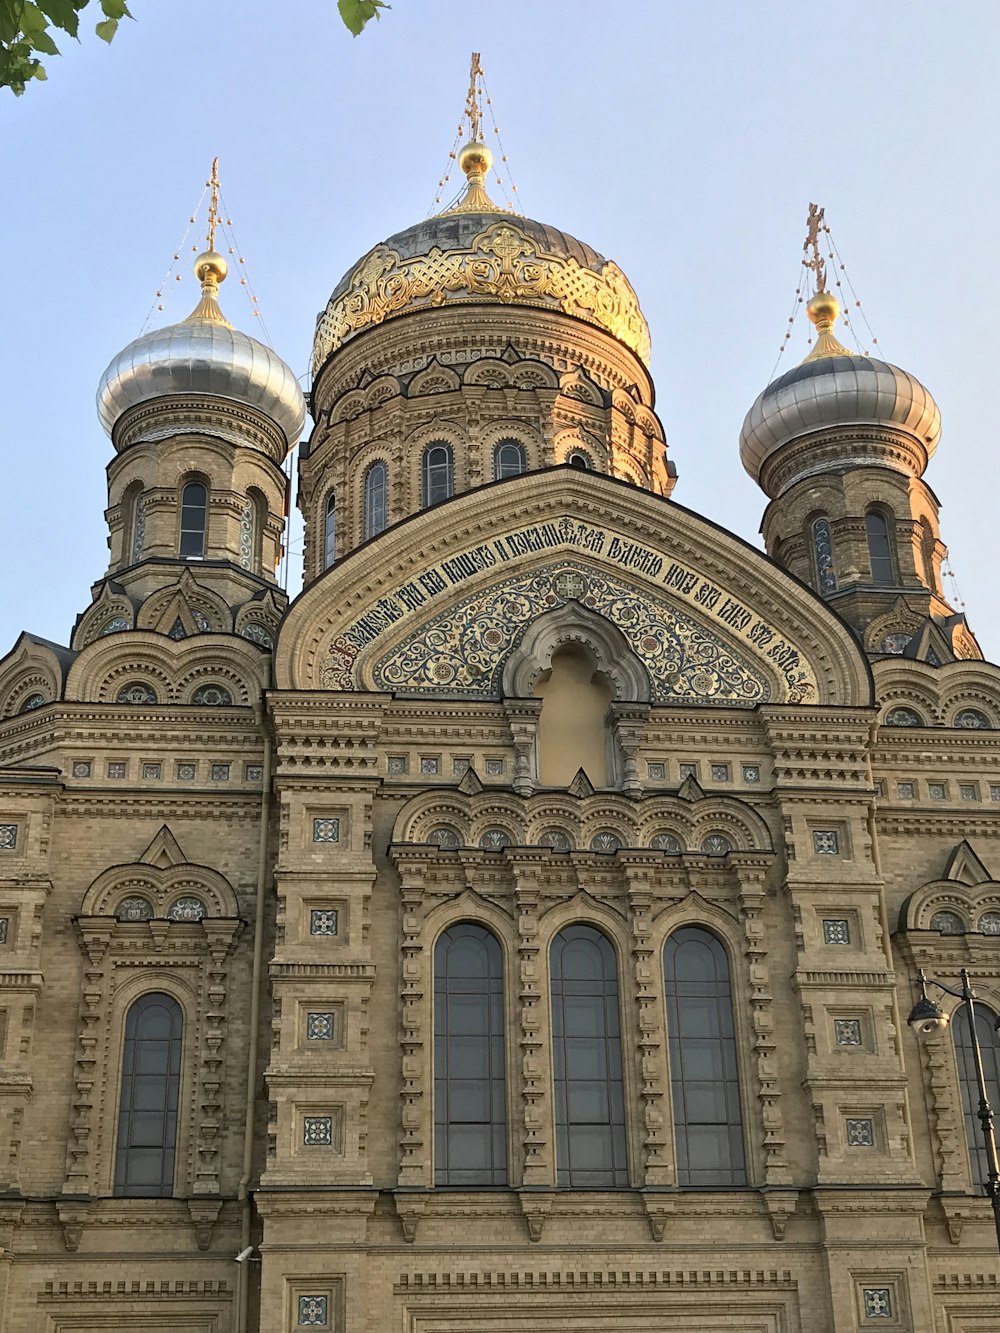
x,y
518,929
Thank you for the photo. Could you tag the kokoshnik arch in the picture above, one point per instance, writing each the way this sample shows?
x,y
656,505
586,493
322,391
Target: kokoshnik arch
x,y
515,928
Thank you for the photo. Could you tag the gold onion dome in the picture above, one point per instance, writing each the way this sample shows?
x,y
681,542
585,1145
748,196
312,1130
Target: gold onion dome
x,y
834,387
476,251
203,355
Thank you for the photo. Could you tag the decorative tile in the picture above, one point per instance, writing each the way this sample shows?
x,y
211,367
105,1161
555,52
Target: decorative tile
x,y
211,696
460,767
555,839
319,1027
312,1310
902,717
186,772
826,842
948,923
32,702
8,837
187,909
137,694
82,768
936,791
989,923
906,791
116,769
716,845
878,1302
751,774
847,1031
666,842
430,765
972,717
398,765
323,921
134,908
605,842
4,925
152,772
495,840
688,771
317,1131
495,767
860,1133
968,791
656,772
257,633
254,773
720,772
836,930
995,791
326,830
444,837
220,772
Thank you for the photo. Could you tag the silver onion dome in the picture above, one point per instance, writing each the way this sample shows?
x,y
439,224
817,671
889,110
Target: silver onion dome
x,y
834,388
203,354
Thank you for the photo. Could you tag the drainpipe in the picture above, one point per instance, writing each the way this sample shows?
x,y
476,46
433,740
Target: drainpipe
x,y
256,985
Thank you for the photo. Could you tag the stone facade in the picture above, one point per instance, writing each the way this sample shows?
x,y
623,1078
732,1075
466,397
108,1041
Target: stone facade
x,y
272,832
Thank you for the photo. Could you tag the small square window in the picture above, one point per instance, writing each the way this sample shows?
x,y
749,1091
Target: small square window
x,y
8,837
254,773
186,772
319,1027
751,774
720,772
836,930
323,921
326,830
995,791
860,1132
430,765
313,1311
878,1302
461,766
847,1031
936,791
879,787
152,772
826,842
82,768
494,767
317,1131
656,772
4,927
398,765
220,772
116,769
968,791
906,791
688,771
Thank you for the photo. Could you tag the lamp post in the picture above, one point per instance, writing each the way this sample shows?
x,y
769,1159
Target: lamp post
x,y
928,1019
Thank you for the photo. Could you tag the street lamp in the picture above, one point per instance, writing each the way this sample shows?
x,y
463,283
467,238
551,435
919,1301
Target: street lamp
x,y
928,1019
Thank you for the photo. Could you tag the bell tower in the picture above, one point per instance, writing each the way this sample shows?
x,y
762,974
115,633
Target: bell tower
x,y
840,445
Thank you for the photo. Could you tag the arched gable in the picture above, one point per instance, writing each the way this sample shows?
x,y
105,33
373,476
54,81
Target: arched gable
x,y
438,603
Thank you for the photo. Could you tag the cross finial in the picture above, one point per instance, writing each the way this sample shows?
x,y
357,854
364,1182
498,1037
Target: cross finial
x,y
813,259
472,100
213,203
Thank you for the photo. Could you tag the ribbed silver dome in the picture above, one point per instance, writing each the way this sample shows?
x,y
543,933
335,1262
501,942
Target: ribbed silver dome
x,y
202,356
837,391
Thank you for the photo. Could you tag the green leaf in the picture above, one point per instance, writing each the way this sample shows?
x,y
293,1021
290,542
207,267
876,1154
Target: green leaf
x,y
32,20
63,13
106,29
45,44
115,9
356,13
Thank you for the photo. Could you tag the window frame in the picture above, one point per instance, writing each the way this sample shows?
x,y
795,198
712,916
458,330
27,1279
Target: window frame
x,y
432,492
375,503
500,473
127,1079
985,1014
330,531
190,484
884,563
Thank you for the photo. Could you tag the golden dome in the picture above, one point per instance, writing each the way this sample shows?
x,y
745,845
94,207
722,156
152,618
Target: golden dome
x,y
475,159
210,264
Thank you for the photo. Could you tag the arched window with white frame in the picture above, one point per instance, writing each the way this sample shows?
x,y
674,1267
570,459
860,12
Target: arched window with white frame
x,y
149,1098
437,473
194,521
509,459
376,499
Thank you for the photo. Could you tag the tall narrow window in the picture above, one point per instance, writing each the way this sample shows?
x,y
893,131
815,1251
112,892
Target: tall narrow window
x,y
879,548
508,459
989,1048
330,531
147,1109
438,474
587,1061
470,1113
376,499
135,523
194,520
826,577
703,1073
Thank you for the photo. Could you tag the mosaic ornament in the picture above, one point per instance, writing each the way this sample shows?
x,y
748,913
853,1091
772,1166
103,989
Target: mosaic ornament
x,y
716,845
495,840
605,842
137,693
211,696
989,923
902,717
116,625
32,702
134,909
186,909
246,536
948,923
556,840
258,633
444,837
972,717
666,842
312,1310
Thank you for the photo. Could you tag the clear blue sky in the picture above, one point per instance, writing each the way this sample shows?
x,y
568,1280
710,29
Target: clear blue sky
x,y
683,140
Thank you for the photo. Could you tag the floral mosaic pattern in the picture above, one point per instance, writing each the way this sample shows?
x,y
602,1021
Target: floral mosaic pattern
x,y
463,650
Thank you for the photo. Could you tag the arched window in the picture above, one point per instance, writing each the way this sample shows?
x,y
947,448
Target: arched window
x,y
330,531
508,459
989,1047
579,459
194,520
376,499
703,1075
879,548
438,474
826,578
147,1108
587,1061
470,1112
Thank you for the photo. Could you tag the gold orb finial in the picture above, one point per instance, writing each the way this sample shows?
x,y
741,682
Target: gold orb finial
x,y
823,309
210,266
475,159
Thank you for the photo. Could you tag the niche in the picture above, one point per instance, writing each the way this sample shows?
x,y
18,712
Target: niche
x,y
572,726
